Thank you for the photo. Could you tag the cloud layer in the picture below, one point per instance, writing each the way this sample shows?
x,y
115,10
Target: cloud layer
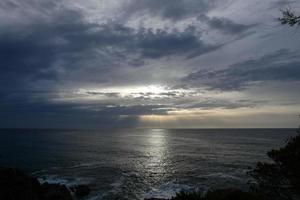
x,y
282,65
115,62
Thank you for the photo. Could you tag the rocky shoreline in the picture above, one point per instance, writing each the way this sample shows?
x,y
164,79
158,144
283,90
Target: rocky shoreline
x,y
17,185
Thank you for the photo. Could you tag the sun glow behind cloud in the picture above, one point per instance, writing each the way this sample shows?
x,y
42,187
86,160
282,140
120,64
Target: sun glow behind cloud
x,y
136,93
125,90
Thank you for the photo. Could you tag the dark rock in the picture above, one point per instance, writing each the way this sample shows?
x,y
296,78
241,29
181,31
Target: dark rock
x,y
231,193
55,192
15,185
81,190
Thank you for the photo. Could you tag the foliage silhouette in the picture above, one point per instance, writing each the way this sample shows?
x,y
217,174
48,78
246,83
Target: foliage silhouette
x,y
281,178
220,194
289,17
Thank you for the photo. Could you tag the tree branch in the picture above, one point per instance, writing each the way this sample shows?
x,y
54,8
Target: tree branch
x,y
289,18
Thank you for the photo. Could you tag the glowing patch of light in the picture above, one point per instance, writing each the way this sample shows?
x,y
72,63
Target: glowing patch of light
x,y
126,90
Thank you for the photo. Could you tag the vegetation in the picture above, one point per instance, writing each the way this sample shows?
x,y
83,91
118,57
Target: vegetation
x,y
289,17
281,178
223,194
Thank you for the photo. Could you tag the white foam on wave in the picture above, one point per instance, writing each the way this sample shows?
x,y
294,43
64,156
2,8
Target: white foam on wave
x,y
86,165
55,179
39,172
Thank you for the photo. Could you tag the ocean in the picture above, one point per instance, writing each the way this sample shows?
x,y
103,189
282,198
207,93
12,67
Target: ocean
x,y
140,163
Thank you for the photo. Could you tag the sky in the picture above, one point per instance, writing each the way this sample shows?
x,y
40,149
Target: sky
x,y
148,64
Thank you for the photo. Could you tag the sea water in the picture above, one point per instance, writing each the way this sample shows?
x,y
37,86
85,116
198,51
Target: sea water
x,y
140,163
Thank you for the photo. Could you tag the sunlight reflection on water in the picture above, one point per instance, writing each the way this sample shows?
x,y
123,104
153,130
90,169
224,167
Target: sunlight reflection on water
x,y
157,154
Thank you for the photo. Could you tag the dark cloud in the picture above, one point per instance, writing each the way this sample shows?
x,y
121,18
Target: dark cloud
x,y
133,110
21,110
225,25
38,57
65,119
224,104
162,43
65,43
279,66
64,64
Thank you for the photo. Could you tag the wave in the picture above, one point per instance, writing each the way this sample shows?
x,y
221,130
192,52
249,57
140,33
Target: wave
x,y
223,176
55,179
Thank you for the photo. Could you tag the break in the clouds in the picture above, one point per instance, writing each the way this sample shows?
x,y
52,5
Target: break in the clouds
x,y
147,63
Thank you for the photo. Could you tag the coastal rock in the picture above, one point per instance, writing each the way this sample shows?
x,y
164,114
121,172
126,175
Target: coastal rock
x,y
231,193
81,190
55,191
17,185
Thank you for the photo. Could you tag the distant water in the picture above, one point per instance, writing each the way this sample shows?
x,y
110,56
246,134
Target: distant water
x,y
138,163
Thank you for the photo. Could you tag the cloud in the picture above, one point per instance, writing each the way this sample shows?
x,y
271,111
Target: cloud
x,y
282,3
225,25
74,62
161,43
209,104
59,47
26,110
282,65
107,94
172,10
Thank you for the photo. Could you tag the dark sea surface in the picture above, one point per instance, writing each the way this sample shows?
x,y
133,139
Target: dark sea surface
x,y
138,163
